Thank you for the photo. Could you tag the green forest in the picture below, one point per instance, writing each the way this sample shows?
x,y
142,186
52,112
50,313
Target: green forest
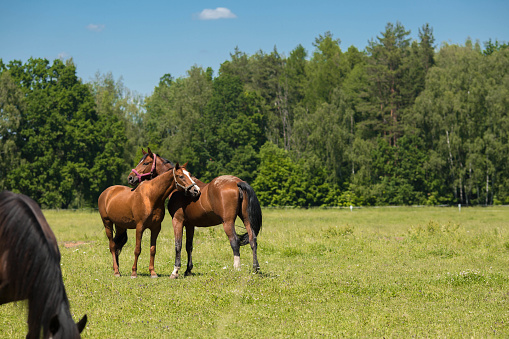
x,y
402,122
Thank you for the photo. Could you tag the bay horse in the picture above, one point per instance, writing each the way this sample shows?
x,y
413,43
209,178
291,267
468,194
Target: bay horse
x,y
30,269
140,209
220,201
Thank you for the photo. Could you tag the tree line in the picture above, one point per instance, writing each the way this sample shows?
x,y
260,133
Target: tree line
x,y
401,122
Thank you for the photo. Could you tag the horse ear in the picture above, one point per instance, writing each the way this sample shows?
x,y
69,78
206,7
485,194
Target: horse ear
x,y
177,166
149,151
185,165
54,324
81,324
143,151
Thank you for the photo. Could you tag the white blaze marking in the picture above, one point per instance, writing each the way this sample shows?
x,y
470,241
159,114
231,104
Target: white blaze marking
x,y
189,176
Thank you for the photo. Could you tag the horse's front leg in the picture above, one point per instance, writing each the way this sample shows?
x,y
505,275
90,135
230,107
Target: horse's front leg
x,y
153,239
189,249
177,230
137,250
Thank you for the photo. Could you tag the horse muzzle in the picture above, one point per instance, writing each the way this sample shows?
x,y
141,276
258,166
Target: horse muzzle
x,y
133,180
192,191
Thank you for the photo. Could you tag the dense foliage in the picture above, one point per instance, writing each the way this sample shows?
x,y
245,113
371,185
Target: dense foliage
x,y
402,122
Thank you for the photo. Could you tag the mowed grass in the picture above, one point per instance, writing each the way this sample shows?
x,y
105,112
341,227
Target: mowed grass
x,y
373,272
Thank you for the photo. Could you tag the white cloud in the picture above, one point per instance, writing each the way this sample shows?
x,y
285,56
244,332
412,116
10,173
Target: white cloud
x,y
95,28
218,13
63,55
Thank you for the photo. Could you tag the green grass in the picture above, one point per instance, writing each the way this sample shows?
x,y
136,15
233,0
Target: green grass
x,y
374,272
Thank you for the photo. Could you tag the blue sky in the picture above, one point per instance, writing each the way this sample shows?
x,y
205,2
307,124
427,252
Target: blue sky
x,y
141,41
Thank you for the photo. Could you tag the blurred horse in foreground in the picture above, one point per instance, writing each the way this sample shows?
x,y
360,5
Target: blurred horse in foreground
x,y
30,269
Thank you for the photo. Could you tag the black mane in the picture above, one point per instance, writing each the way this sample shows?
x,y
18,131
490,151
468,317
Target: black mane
x,y
33,260
166,161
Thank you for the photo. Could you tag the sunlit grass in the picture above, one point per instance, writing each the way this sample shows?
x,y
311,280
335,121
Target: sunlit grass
x,y
378,272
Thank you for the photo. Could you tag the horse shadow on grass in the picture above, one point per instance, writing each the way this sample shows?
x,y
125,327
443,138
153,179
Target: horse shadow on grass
x,y
260,274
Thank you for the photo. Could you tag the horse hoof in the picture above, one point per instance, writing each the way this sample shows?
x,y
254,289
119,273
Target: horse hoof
x,y
154,276
134,275
188,273
174,276
117,275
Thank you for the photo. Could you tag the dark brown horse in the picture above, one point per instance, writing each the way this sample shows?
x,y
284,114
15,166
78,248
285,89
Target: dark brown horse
x,y
30,269
140,209
220,201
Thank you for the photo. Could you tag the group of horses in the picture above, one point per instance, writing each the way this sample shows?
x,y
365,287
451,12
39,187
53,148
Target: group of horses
x,y
30,258
191,204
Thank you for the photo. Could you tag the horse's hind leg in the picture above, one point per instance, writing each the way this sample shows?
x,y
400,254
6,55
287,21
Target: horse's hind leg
x,y
177,230
252,236
153,239
189,249
108,227
254,245
229,229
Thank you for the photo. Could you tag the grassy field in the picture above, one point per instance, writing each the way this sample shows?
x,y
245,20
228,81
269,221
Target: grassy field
x,y
374,272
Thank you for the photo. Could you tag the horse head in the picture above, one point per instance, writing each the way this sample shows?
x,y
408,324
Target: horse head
x,y
184,181
152,165
146,169
62,326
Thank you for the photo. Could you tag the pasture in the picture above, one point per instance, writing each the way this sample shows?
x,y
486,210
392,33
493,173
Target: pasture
x,y
373,272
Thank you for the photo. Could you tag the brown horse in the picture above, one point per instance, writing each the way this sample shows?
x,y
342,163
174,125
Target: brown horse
x,y
140,209
220,201
30,269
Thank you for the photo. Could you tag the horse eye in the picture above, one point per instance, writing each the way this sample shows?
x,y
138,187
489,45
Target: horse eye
x,y
146,163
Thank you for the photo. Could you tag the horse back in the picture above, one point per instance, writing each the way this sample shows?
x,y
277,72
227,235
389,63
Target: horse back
x,y
218,202
115,204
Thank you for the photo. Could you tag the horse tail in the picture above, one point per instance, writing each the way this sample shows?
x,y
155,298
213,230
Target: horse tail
x,y
254,211
120,240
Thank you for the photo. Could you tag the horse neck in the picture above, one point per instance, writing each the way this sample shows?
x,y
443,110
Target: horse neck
x,y
199,183
159,188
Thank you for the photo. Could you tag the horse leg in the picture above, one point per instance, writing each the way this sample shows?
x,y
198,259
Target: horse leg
x,y
229,229
137,250
108,227
253,244
252,236
189,249
154,233
120,239
177,230
254,247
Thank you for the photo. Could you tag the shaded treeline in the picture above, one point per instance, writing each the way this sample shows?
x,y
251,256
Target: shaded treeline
x,y
401,122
